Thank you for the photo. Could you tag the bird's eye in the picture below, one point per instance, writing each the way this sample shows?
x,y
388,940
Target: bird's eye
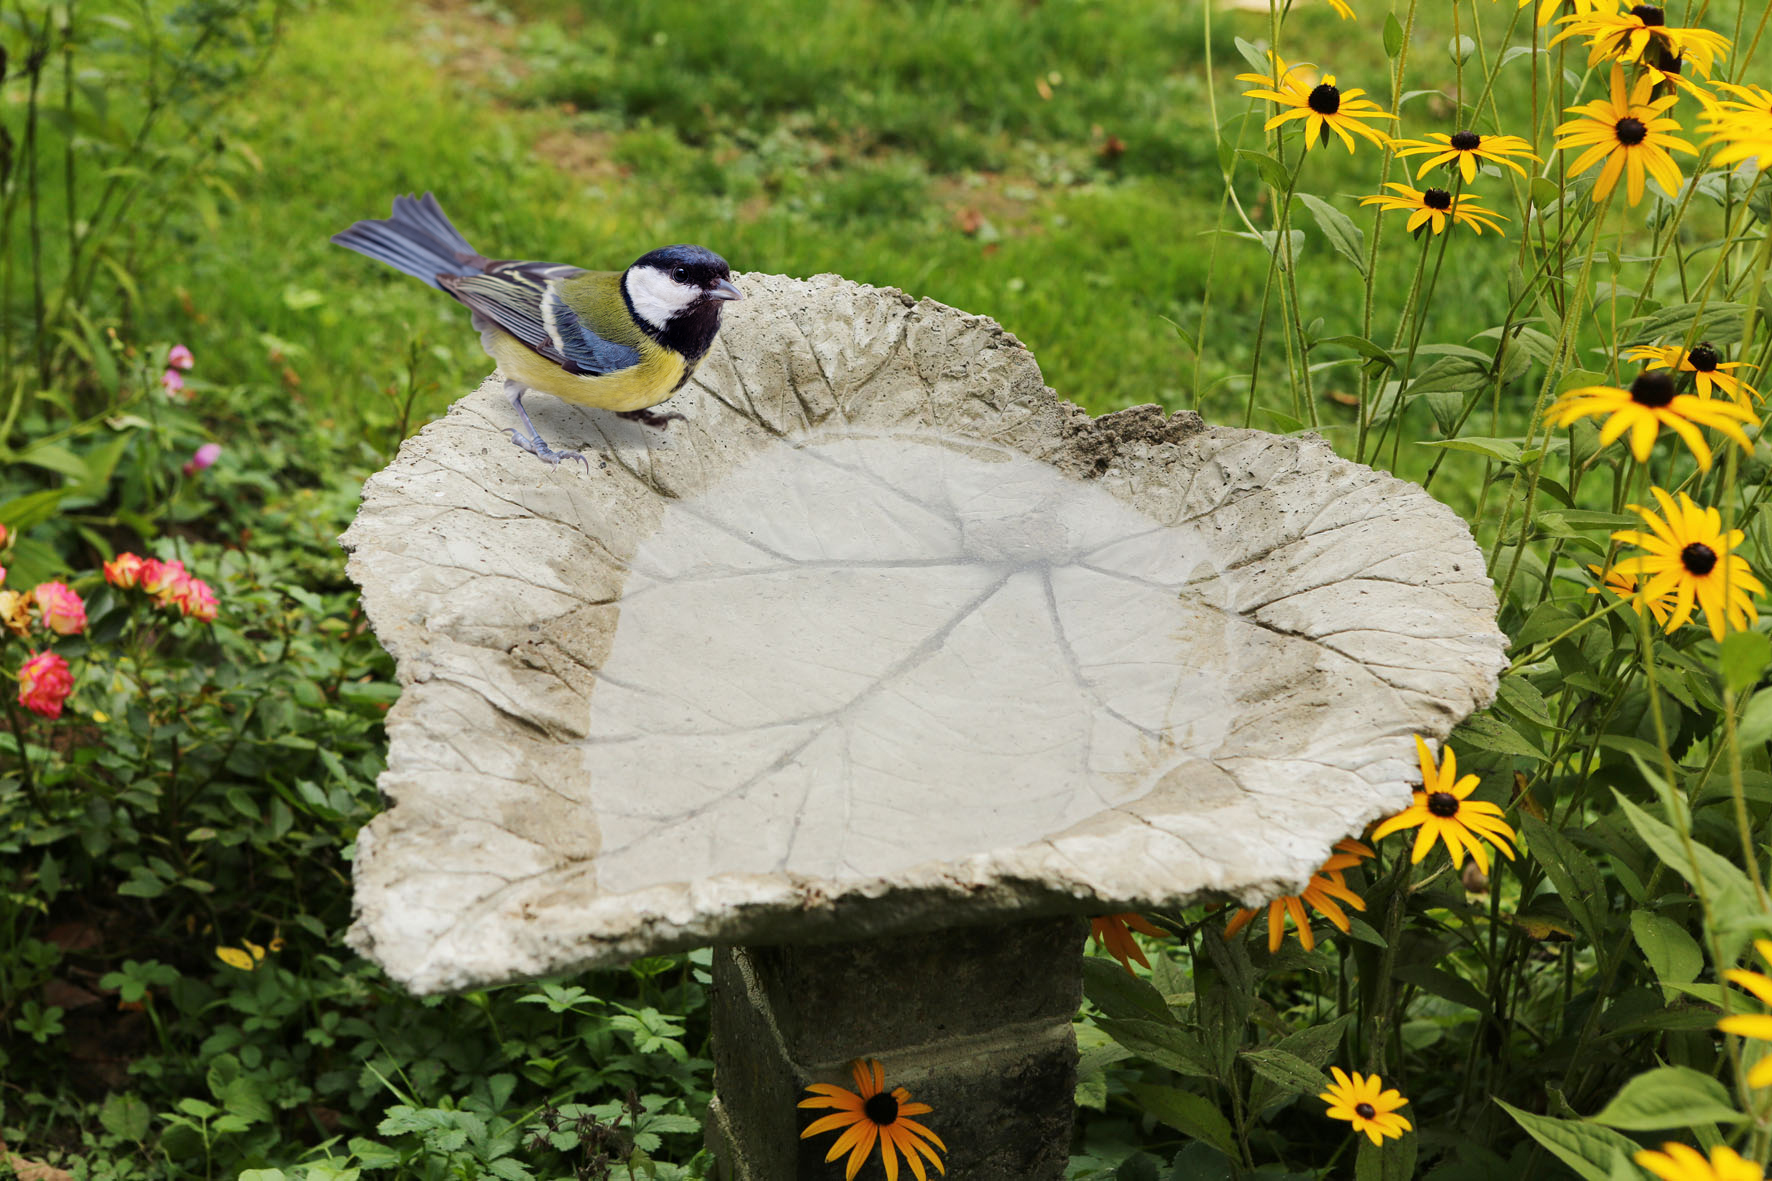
x,y
680,274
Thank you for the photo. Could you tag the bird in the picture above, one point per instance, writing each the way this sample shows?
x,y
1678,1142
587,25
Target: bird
x,y
617,340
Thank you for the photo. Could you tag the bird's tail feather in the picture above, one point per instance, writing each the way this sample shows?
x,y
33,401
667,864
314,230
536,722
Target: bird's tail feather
x,y
417,239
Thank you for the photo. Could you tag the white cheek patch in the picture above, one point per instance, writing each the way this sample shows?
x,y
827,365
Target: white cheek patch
x,y
658,298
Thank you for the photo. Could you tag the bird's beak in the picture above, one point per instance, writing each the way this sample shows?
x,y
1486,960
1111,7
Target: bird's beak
x,y
723,289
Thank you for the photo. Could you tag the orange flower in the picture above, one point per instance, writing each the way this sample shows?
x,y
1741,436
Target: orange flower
x,y
1110,931
1326,885
124,571
874,1114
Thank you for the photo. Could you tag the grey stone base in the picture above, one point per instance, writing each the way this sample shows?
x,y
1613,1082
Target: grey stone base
x,y
975,1022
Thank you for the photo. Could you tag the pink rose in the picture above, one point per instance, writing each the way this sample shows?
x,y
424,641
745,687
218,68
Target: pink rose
x,y
124,571
44,682
195,599
63,612
180,357
161,579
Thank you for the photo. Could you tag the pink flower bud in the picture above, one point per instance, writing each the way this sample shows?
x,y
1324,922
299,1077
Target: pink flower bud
x,y
63,611
124,571
3,535
44,682
205,457
161,579
173,382
180,357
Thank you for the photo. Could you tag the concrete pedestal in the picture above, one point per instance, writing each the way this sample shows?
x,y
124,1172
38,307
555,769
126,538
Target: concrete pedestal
x,y
975,1022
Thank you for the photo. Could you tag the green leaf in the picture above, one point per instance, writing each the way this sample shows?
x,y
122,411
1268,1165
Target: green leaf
x,y
1193,1115
1271,170
1290,1073
1393,35
1672,953
1453,375
1444,984
1492,733
1755,728
1163,1044
1669,1097
1590,1150
1505,450
125,1116
1575,876
1743,657
1342,233
1731,895
1118,993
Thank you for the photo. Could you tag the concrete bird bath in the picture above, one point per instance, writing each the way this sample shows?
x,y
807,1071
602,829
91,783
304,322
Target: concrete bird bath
x,y
877,673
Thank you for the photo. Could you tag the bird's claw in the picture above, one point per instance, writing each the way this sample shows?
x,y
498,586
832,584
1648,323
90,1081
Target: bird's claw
x,y
542,451
652,418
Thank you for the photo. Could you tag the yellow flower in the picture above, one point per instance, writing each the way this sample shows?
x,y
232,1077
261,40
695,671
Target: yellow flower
x,y
1626,36
1743,125
1111,931
1463,149
1435,206
1323,108
1628,131
246,957
1363,1102
1755,1026
1626,587
1691,556
15,612
1678,1162
1445,812
1705,364
1548,8
1326,885
1648,405
872,1115
1341,7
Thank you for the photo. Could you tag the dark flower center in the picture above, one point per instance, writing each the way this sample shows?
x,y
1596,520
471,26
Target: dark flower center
x,y
1630,132
1649,14
1443,804
1365,1110
1699,558
1436,199
1325,99
1466,141
1654,389
1704,358
882,1109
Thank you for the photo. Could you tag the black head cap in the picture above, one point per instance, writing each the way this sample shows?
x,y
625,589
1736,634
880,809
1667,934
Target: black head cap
x,y
688,264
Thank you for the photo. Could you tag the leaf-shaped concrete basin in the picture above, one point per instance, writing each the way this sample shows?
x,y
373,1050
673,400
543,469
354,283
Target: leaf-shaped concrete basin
x,y
883,637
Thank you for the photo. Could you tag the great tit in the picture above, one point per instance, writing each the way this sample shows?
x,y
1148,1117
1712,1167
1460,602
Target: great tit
x,y
617,340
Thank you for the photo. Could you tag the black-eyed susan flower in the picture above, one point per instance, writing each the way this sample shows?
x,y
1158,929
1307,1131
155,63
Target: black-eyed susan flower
x,y
1626,587
1690,556
1742,124
1320,893
1364,1102
1709,371
1444,811
1631,133
1680,1162
1324,107
1462,150
1754,1026
1114,932
1652,402
1548,8
1435,207
1626,36
247,957
871,1114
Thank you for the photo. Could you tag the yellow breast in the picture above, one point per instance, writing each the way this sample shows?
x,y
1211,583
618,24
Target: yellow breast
x,y
650,382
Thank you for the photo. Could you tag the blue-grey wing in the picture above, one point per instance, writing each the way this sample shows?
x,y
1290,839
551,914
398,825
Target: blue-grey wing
x,y
520,298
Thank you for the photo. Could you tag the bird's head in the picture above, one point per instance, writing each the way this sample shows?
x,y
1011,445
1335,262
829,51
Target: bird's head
x,y
673,282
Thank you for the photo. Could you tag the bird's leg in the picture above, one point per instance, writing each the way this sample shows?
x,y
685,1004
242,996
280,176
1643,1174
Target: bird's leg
x,y
532,442
651,418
